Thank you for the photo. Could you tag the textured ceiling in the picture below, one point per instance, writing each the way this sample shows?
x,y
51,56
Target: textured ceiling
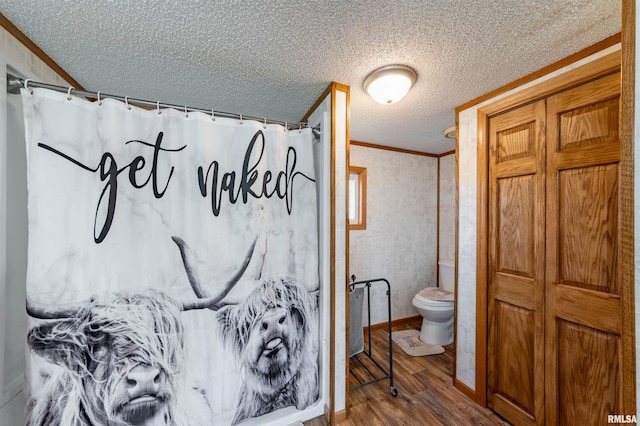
x,y
274,59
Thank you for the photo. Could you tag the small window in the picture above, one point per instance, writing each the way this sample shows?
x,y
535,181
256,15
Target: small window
x,y
357,198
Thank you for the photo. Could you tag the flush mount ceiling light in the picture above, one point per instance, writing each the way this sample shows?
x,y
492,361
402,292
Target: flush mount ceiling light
x,y
450,133
391,83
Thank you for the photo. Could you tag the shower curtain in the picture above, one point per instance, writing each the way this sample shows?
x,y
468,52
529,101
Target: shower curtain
x,y
172,266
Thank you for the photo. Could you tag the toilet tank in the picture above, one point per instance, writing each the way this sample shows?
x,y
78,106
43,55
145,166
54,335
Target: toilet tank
x,y
447,276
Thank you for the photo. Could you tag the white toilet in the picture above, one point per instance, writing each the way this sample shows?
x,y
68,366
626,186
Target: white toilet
x,y
435,304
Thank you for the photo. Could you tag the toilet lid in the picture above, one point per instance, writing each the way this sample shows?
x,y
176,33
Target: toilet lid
x,y
436,293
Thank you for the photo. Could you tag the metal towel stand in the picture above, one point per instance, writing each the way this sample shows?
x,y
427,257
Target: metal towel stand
x,y
379,373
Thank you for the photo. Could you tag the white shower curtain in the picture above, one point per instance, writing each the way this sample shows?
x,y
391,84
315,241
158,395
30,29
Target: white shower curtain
x,y
172,266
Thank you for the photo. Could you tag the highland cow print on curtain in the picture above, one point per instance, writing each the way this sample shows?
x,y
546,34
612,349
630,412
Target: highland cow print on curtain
x,y
173,266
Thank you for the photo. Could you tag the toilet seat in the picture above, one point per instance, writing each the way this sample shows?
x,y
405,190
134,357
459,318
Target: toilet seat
x,y
434,296
431,305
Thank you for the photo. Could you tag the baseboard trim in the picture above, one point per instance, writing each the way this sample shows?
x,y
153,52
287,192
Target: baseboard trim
x,y
340,417
394,323
466,391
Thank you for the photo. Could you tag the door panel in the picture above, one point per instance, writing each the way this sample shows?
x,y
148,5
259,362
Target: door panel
x,y
587,115
517,142
588,380
515,226
516,264
588,227
583,312
515,335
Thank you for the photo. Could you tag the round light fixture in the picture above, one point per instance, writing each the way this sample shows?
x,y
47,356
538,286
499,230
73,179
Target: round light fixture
x,y
391,83
450,133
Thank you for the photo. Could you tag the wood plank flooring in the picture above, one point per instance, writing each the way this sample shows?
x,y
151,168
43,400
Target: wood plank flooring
x,y
426,396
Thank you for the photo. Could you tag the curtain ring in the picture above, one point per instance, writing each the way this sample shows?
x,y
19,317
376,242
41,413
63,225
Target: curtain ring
x,y
213,116
99,100
300,129
286,126
240,118
26,85
158,107
186,113
264,126
126,102
69,93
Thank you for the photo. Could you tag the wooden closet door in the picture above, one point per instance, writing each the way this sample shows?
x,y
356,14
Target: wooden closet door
x,y
583,312
516,264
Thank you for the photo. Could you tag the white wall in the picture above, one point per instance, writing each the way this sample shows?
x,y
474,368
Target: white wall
x,y
400,241
467,182
340,266
447,208
18,59
322,151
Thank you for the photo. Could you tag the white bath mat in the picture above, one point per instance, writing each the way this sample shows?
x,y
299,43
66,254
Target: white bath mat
x,y
409,341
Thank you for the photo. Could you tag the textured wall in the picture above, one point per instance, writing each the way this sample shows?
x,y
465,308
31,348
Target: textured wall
x,y
466,294
447,208
467,181
399,243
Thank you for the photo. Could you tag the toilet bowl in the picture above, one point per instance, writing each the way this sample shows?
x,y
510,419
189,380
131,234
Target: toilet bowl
x,y
436,305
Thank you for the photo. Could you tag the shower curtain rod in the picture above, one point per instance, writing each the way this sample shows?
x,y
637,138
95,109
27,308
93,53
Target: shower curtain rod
x,y
14,84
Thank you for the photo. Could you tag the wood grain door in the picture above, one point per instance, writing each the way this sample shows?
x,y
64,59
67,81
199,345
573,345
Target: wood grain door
x,y
516,264
583,310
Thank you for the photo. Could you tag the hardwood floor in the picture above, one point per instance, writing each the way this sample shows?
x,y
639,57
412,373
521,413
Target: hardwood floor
x,y
426,396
